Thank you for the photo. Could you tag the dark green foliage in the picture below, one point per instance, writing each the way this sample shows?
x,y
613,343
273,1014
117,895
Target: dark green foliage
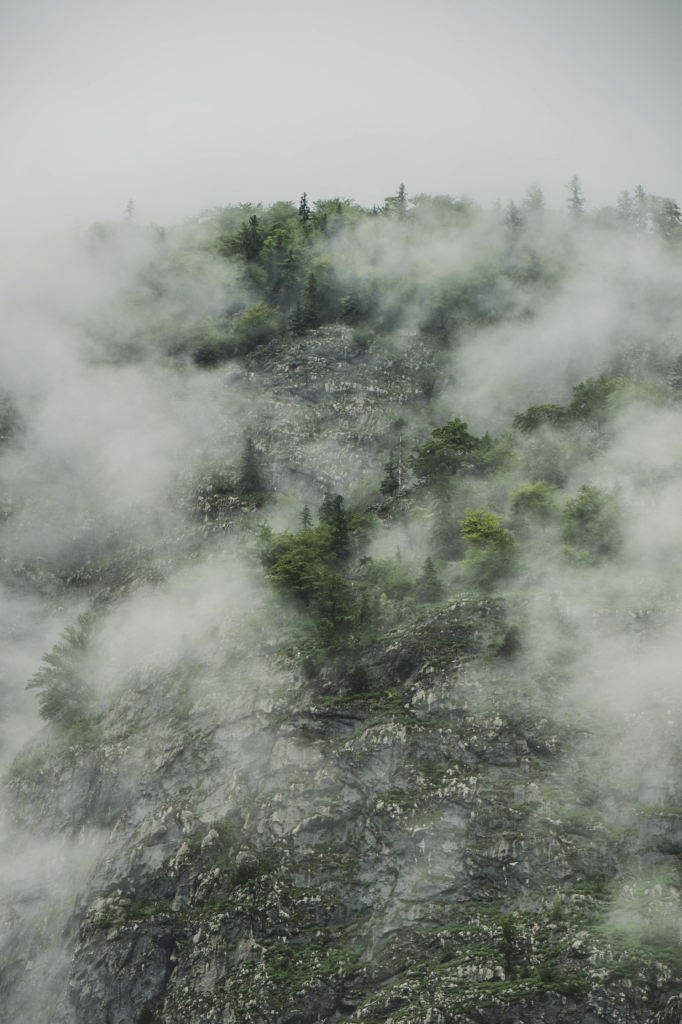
x,y
66,690
591,523
249,481
146,1015
332,512
306,518
429,587
335,609
298,321
540,415
297,561
311,304
351,310
248,241
304,209
453,448
390,484
509,942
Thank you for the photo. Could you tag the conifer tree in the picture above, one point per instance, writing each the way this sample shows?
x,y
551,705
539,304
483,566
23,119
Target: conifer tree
x,y
641,203
626,207
534,198
429,586
304,209
513,218
576,200
312,302
249,481
298,321
397,204
333,513
306,518
391,483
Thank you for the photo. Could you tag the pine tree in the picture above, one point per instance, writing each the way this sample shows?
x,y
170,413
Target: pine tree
x,y
398,203
534,198
312,303
429,586
249,481
306,518
641,204
298,321
513,218
390,484
333,513
304,209
576,200
626,207
130,211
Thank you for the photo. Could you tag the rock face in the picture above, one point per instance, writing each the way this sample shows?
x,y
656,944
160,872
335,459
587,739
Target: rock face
x,y
423,833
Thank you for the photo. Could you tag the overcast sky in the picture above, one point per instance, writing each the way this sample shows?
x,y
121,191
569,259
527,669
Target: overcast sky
x,y
186,105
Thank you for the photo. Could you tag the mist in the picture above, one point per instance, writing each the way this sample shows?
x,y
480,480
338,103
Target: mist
x,y
146,373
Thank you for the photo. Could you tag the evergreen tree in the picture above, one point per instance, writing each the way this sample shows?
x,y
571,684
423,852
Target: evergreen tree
x,y
534,199
666,216
397,204
298,321
333,513
576,200
306,518
248,241
429,586
249,481
351,310
626,207
641,209
304,209
513,218
390,484
130,211
312,303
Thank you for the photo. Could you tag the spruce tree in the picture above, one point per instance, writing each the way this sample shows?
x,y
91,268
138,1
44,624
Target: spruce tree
x,y
249,481
333,513
298,321
312,303
576,200
641,204
513,218
429,586
391,483
534,199
306,518
304,209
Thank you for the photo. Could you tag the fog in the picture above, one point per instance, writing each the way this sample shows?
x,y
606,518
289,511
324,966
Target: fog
x,y
182,108
112,423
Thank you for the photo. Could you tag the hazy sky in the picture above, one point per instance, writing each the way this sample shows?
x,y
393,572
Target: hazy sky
x,y
185,105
